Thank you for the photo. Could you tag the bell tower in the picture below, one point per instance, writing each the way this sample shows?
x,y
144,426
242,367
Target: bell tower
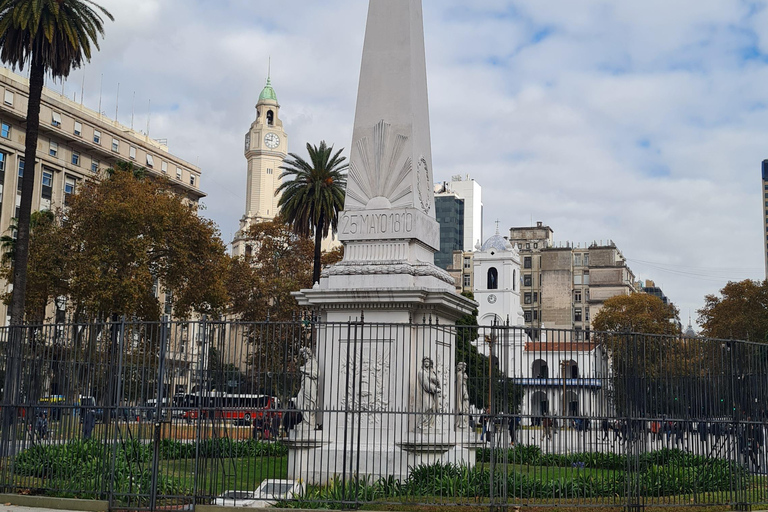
x,y
265,149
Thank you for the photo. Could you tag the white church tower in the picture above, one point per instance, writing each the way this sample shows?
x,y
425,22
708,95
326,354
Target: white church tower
x,y
266,147
497,282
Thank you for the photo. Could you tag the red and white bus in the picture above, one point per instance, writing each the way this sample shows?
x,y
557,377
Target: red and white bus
x,y
229,406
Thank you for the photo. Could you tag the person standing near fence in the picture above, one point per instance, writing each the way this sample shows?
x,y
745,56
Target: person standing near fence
x,y
89,423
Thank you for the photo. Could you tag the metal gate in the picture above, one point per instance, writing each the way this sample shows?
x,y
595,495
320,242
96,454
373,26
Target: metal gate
x,y
167,415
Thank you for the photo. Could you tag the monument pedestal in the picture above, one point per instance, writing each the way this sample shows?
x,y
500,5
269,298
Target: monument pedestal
x,y
371,344
386,385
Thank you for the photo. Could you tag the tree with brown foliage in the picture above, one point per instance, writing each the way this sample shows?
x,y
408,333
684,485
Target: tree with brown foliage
x,y
260,284
129,234
740,312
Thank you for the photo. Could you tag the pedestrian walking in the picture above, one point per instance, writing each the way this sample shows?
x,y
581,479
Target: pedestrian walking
x,y
605,427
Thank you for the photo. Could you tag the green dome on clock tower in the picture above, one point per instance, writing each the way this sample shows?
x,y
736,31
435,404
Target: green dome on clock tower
x,y
268,94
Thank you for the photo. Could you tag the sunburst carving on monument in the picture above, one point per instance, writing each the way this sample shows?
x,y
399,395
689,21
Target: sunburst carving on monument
x,y
379,177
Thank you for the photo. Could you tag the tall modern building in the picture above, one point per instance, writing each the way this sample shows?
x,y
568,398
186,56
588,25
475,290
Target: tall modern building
x,y
76,144
765,217
469,190
450,214
265,149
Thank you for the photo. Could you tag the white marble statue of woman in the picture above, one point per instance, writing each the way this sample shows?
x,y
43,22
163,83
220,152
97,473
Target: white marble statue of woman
x,y
306,401
429,384
462,397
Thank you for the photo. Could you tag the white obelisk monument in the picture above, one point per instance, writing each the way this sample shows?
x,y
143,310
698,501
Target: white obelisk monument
x,y
386,381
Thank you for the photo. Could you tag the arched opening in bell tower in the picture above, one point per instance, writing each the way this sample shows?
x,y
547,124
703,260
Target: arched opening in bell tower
x,y
493,279
270,118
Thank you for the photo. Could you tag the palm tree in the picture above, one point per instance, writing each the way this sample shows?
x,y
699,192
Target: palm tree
x,y
51,36
311,201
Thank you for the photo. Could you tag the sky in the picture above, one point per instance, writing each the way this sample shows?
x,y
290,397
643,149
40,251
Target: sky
x,y
644,122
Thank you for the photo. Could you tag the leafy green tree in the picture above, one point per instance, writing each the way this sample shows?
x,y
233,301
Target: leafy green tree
x,y
739,312
51,36
312,199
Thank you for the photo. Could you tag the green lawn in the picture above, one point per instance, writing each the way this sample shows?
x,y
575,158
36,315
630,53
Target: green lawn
x,y
219,475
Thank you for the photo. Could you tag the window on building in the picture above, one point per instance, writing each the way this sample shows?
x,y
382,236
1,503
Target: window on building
x,y
132,153
47,179
115,145
528,245
21,175
540,370
270,118
527,262
69,188
75,158
164,167
586,314
78,128
5,131
56,119
577,279
46,192
8,99
2,175
18,206
97,136
535,314
535,297
577,315
150,161
178,173
536,245
528,316
528,298
467,263
527,279
94,166
577,296
586,260
192,180
53,149
493,279
577,260
586,295
586,278
467,281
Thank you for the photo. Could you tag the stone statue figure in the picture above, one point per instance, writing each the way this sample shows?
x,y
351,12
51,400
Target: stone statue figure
x,y
306,401
462,397
429,385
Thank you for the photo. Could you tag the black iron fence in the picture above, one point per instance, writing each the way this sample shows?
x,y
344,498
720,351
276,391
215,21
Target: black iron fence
x,y
309,414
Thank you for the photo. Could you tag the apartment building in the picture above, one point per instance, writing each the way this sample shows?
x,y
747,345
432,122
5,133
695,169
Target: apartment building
x,y
575,282
530,241
75,144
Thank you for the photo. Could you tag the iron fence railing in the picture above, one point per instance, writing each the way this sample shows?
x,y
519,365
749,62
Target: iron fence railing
x,y
307,414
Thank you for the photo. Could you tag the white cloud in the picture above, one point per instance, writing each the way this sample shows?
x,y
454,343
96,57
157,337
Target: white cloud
x,y
644,122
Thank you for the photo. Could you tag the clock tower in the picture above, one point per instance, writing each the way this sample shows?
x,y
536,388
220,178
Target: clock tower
x,y
265,148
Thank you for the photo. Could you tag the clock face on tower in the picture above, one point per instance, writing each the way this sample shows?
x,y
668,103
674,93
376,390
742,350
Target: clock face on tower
x,y
492,299
271,140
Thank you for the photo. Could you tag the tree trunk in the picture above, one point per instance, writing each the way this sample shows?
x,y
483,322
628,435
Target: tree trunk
x,y
318,249
12,387
19,296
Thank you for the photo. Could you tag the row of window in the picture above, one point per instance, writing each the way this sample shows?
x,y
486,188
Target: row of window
x,y
46,194
581,315
53,150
